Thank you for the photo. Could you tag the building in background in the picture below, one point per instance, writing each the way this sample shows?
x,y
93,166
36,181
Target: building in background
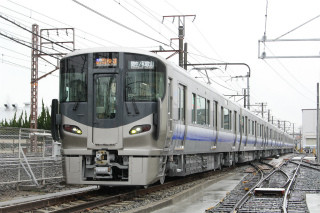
x,y
7,110
309,125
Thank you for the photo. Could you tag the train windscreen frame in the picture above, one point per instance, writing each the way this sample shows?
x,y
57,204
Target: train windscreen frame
x,y
145,78
74,79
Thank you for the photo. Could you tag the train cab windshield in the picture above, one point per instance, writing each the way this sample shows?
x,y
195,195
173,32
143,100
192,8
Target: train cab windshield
x,y
73,79
144,79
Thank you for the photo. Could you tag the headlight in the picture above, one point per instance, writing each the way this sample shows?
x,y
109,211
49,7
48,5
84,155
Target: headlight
x,y
72,129
139,129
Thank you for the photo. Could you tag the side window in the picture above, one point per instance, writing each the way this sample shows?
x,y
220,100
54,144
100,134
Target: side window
x,y
170,103
242,125
201,110
226,118
246,126
249,126
255,129
221,125
230,120
193,108
181,103
208,112
215,109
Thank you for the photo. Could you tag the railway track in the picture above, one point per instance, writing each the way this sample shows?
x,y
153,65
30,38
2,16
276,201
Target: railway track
x,y
270,191
281,189
106,198
241,193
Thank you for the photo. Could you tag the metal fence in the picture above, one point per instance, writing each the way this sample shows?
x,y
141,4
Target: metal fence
x,y
28,156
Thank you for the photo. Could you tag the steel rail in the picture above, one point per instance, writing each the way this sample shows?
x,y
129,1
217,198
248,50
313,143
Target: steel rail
x,y
240,203
100,198
310,167
285,199
246,196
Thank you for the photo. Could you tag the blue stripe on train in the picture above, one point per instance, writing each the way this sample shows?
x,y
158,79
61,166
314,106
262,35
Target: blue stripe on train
x,y
207,135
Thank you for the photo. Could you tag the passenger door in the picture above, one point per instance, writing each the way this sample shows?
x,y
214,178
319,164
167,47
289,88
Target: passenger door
x,y
106,117
179,133
235,129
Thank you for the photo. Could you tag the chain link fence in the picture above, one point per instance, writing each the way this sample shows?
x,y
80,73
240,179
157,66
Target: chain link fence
x,y
29,156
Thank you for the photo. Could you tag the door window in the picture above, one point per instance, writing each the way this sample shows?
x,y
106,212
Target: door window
x,y
106,98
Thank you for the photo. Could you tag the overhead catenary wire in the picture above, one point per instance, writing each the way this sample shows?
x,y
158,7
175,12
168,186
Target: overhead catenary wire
x,y
289,84
291,75
217,82
301,25
18,25
210,79
148,11
204,39
3,55
60,22
21,66
118,23
17,41
118,2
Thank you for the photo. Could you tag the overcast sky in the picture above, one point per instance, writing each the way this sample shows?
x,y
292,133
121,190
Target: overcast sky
x,y
223,31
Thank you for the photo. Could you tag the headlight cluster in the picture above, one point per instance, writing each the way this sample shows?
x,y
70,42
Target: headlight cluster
x,y
139,129
72,129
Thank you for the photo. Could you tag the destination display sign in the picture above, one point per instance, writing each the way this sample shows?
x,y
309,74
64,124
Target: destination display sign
x,y
141,65
103,60
106,62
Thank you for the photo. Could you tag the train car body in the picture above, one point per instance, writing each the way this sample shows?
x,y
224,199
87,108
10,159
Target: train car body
x,y
129,117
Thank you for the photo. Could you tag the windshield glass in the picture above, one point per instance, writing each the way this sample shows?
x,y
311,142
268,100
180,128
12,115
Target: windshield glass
x,y
73,79
145,78
106,98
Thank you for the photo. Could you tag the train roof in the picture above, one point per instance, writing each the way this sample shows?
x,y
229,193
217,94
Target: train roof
x,y
114,49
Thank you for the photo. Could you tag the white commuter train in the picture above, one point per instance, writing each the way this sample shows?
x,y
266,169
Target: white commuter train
x,y
129,117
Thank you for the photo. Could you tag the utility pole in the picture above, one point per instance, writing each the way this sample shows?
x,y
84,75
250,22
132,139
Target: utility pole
x,y
185,55
34,76
262,105
262,108
181,37
34,85
244,98
181,34
36,53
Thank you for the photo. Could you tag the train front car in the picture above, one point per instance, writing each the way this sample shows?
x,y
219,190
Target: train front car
x,y
109,118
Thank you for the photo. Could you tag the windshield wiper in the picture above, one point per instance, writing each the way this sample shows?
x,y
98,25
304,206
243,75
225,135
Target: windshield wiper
x,y
136,110
127,108
75,106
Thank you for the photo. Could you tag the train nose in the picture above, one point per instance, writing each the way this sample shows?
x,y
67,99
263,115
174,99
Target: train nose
x,y
107,136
